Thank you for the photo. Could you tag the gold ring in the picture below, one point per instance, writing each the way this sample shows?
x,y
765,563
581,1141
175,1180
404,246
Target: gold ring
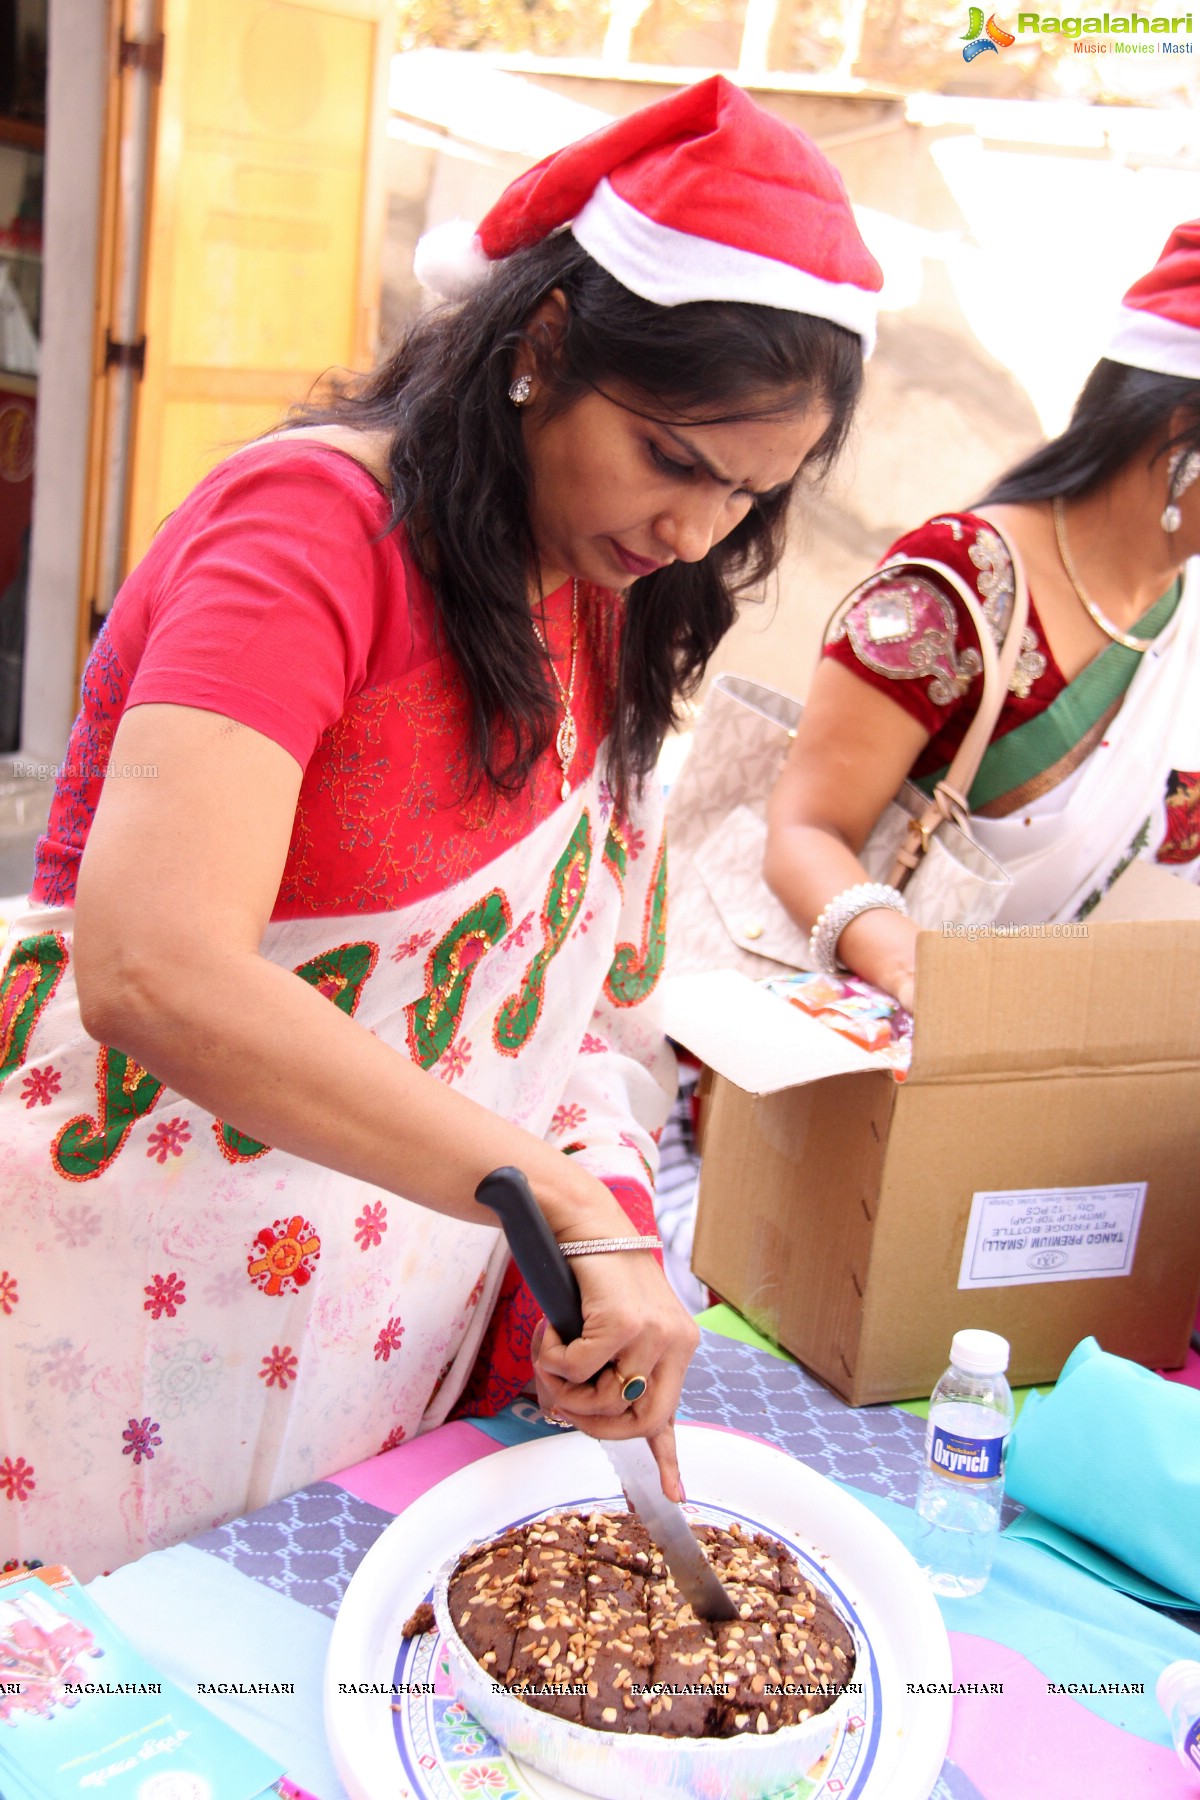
x,y
633,1387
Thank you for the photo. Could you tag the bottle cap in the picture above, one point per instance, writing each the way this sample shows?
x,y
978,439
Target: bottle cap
x,y
1174,1680
979,1352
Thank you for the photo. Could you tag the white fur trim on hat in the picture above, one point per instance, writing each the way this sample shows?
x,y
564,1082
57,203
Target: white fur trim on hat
x,y
673,267
449,260
1148,340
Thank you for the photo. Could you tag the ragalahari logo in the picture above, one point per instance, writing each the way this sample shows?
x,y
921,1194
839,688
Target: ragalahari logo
x,y
984,37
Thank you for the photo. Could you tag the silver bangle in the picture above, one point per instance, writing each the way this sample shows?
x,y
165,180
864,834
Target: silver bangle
x,y
601,1246
864,896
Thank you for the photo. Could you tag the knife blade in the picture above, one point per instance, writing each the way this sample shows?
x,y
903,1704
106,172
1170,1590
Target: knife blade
x,y
552,1282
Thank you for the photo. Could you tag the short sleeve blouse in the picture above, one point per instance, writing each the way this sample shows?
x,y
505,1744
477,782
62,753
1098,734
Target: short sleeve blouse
x,y
909,635
277,596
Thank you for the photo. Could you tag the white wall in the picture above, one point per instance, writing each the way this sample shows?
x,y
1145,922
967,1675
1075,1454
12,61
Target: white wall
x,y
75,104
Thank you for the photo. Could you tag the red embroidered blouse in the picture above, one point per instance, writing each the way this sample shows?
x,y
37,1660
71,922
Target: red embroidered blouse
x,y
275,596
909,635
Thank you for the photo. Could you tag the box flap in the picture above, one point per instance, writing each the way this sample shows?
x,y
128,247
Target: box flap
x,y
752,1037
1148,891
1115,994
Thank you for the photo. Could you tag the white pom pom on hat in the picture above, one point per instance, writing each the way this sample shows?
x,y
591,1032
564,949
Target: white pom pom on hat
x,y
1158,326
450,260
701,196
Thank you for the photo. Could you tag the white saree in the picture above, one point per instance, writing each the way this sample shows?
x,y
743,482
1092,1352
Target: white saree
x,y
1064,849
192,1323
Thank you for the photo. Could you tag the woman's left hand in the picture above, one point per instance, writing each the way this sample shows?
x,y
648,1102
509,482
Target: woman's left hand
x,y
632,1325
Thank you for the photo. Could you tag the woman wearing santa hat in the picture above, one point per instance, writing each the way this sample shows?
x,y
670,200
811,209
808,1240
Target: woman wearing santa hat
x,y
388,911
1095,759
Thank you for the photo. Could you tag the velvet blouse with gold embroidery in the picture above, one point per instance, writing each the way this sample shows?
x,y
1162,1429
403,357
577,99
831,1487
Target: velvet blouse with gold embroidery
x,y
909,635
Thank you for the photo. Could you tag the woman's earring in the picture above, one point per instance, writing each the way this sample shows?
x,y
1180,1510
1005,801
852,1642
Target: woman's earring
x,y
1183,468
520,390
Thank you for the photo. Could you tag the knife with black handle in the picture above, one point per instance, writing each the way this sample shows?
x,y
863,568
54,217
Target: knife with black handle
x,y
551,1280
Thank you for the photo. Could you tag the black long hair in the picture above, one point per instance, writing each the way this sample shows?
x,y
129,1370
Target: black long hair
x,y
1121,412
459,478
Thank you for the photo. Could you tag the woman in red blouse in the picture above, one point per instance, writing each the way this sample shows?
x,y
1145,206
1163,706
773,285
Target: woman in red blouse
x,y
1101,715
354,887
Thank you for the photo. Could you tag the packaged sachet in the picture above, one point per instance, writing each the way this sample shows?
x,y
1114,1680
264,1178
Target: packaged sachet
x,y
854,1008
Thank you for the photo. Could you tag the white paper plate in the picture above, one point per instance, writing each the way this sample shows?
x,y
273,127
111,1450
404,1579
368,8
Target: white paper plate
x,y
416,1745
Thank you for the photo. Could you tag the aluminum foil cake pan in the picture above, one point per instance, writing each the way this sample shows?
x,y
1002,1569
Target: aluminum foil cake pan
x,y
616,1765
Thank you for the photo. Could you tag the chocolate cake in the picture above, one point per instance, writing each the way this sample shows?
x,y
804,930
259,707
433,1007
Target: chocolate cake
x,y
578,1615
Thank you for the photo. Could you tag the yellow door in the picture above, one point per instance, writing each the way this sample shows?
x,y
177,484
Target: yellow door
x,y
265,222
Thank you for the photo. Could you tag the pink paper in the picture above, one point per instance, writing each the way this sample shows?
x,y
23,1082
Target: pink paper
x,y
1025,1743
394,1480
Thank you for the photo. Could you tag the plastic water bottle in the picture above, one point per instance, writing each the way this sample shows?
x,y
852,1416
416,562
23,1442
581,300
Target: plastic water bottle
x,y
1178,1693
962,1483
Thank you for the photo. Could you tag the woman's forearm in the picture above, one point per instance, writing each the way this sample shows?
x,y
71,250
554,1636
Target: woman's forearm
x,y
806,867
265,1052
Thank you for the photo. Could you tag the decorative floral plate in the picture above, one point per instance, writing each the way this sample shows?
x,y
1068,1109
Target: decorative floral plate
x,y
398,1733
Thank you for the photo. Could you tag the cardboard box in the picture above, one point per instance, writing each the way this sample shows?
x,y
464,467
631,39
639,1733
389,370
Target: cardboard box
x,y
860,1222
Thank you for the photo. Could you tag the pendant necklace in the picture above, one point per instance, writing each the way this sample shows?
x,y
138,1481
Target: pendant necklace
x,y
567,740
1106,625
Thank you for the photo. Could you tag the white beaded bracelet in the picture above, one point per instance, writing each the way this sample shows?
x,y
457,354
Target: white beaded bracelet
x,y
600,1246
864,896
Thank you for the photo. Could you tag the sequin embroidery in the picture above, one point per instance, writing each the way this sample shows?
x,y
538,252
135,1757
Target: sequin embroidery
x,y
906,629
450,967
994,582
34,971
517,1019
340,975
636,967
125,1093
929,647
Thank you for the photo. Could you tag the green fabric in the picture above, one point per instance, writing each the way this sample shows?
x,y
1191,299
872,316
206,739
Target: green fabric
x,y
1113,1455
920,1408
1027,751
1036,1530
726,1323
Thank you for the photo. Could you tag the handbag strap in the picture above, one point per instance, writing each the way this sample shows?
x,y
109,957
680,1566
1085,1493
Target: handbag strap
x,y
949,799
960,776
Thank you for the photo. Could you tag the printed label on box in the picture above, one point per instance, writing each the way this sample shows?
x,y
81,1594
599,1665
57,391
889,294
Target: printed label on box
x,y
1051,1234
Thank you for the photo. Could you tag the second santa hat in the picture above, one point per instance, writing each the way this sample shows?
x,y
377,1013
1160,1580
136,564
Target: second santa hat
x,y
1158,326
702,196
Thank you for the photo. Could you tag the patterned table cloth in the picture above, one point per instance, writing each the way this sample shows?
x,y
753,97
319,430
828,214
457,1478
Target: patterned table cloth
x,y
253,1601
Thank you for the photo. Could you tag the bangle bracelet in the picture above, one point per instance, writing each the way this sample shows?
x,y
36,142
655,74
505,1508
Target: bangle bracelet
x,y
864,896
600,1246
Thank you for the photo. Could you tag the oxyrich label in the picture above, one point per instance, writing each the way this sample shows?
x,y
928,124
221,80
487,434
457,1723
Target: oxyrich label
x,y
1191,1743
965,1458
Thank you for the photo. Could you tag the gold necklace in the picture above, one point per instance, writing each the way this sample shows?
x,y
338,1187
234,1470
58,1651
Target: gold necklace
x,y
1106,625
567,740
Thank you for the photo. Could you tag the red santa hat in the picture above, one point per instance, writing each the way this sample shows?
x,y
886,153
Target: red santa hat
x,y
702,196
1159,323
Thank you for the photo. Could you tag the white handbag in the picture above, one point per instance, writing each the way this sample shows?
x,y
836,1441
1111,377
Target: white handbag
x,y
722,913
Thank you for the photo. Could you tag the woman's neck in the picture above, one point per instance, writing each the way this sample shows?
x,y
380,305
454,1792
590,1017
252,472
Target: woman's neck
x,y
1122,557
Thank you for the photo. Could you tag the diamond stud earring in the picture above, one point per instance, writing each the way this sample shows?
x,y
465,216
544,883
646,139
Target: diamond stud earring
x,y
1183,468
520,390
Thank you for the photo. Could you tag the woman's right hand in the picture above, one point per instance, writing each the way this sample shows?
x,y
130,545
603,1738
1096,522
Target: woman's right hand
x,y
632,1322
632,1325
881,946
853,748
